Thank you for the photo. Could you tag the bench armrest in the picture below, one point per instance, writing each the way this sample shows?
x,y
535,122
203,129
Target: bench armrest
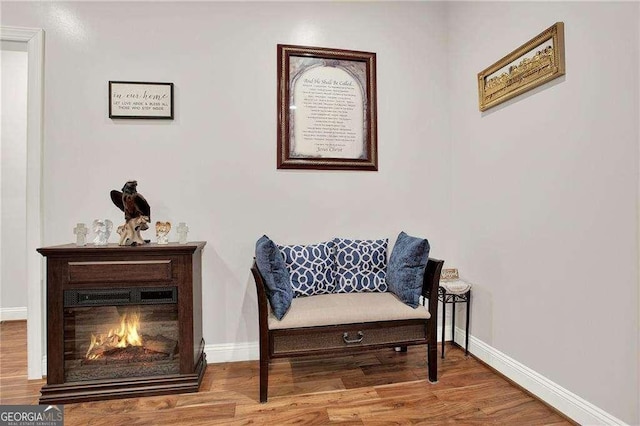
x,y
432,277
431,283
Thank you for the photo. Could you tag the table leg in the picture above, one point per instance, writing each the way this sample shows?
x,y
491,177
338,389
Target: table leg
x,y
444,308
468,315
453,321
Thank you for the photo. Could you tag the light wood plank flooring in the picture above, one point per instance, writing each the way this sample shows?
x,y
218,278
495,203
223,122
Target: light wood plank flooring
x,y
382,387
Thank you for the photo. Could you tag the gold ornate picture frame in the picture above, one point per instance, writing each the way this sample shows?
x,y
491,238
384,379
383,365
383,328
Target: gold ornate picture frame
x,y
536,62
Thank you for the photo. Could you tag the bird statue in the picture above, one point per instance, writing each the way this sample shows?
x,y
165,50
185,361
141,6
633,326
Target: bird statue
x,y
137,214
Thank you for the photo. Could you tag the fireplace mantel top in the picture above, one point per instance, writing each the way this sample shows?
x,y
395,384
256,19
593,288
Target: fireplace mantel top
x,y
70,249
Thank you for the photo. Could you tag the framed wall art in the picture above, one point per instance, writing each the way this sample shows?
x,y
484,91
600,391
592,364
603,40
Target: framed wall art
x,y
327,117
536,62
130,99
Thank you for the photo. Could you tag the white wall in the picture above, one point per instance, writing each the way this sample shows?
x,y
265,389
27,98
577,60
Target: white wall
x,y
13,107
544,187
545,196
214,166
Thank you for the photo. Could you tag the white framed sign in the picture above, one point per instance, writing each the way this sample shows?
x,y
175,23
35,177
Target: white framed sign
x,y
130,99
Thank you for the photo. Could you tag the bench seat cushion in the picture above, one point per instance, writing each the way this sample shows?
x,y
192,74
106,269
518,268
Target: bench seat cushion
x,y
345,308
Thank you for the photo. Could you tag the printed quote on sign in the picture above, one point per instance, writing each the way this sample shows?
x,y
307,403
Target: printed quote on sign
x,y
328,114
140,100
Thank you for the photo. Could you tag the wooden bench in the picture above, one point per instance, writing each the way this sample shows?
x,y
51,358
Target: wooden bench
x,y
347,322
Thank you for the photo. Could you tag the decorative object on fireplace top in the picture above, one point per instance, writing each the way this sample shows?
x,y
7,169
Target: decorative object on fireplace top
x,y
162,232
81,234
182,231
102,228
137,214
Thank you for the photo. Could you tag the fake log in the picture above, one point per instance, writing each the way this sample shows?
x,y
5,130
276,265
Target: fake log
x,y
160,344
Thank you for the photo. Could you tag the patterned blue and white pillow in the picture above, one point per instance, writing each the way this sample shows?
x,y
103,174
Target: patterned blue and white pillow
x,y
311,268
361,265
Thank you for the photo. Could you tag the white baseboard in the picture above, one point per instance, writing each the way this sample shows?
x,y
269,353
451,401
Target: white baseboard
x,y
553,394
232,352
13,314
447,333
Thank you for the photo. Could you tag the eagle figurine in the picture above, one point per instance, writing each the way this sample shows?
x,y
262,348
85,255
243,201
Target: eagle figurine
x,y
137,214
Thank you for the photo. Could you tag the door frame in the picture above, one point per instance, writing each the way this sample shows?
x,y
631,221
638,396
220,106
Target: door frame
x,y
34,39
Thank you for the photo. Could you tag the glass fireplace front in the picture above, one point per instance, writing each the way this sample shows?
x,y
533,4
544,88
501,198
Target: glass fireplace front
x,y
120,333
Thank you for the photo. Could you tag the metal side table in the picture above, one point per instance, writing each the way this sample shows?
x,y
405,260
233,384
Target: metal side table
x,y
454,291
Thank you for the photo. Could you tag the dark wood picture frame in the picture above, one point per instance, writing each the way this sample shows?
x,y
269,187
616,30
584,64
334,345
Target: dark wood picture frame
x,y
327,109
140,100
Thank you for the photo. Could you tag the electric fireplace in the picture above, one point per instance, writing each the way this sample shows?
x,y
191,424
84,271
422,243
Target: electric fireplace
x,y
117,338
123,321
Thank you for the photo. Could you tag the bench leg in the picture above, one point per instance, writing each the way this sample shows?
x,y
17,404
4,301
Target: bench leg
x,y
264,380
432,360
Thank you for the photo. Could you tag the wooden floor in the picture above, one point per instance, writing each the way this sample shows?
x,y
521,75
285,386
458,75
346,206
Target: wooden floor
x,y
382,387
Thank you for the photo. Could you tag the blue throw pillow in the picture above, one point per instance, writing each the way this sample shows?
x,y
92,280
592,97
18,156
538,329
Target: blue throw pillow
x,y
360,265
310,267
405,274
276,276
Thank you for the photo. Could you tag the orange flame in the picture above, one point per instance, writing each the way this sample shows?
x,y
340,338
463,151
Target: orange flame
x,y
126,335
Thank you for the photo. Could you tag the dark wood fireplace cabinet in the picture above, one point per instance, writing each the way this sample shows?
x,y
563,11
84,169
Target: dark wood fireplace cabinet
x,y
123,321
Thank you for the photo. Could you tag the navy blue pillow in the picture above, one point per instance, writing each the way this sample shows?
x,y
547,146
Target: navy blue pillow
x,y
405,273
276,276
311,268
361,265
